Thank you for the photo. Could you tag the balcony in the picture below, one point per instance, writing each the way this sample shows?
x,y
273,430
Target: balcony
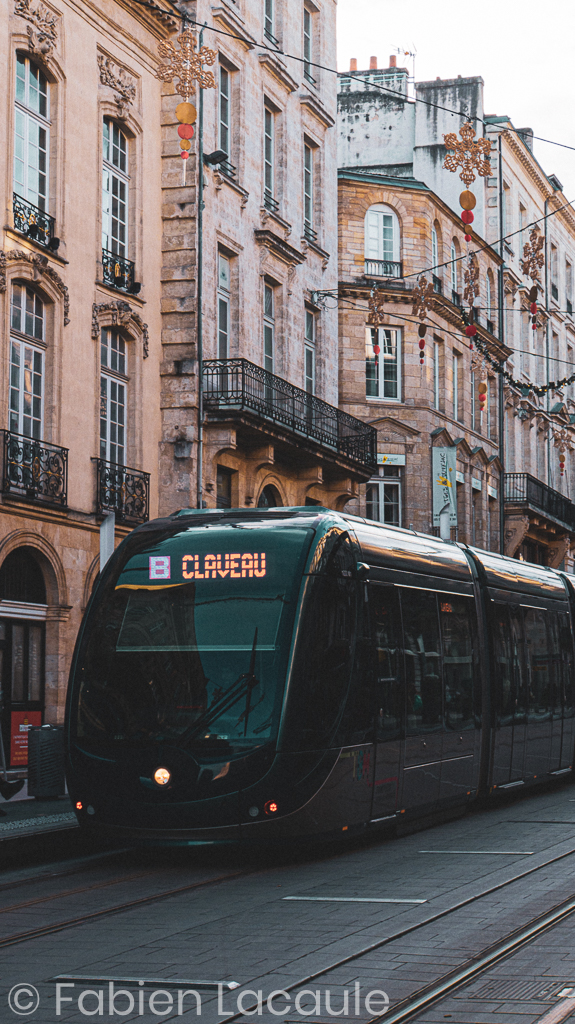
x,y
270,203
524,489
227,169
239,386
119,272
34,470
35,223
122,490
383,268
309,234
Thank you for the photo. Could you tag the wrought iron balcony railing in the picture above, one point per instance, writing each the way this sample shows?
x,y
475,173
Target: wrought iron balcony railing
x,y
35,470
524,489
122,490
437,284
227,169
34,222
308,75
119,272
270,36
238,384
270,203
309,233
383,268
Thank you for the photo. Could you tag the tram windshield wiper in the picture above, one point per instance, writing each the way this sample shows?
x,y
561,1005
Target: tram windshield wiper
x,y
242,686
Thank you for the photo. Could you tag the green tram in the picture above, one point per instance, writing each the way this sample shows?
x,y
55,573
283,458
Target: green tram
x,y
255,675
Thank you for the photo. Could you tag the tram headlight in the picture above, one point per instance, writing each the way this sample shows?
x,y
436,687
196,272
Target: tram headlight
x,y
162,776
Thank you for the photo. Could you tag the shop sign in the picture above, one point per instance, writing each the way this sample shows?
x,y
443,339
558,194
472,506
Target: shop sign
x,y
20,722
390,460
444,480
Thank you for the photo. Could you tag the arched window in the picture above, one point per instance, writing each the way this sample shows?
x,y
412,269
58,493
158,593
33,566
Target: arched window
x,y
269,498
382,235
21,578
27,326
115,181
32,133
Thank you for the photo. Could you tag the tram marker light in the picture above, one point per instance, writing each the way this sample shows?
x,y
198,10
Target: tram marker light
x,y
79,805
271,807
162,776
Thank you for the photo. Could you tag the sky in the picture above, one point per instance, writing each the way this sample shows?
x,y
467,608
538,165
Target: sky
x,y
522,50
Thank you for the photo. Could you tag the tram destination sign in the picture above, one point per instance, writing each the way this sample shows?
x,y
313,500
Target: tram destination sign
x,y
227,565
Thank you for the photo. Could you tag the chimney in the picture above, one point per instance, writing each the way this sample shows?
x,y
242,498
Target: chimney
x,y
353,64
393,61
373,63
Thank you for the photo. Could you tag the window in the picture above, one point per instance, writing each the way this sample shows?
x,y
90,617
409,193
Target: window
x,y
434,250
115,182
382,368
26,362
308,45
381,234
453,270
308,190
224,487
436,361
568,287
223,306
269,498
269,153
522,226
269,327
32,134
113,397
457,368
309,352
383,497
224,132
554,272
269,21
488,297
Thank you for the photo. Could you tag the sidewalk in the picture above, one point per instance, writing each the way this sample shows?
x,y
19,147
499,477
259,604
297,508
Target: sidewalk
x,y
27,816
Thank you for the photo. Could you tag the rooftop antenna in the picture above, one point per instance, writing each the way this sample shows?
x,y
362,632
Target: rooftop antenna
x,y
402,52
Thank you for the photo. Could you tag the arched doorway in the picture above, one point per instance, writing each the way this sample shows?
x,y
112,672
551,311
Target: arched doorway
x,y
23,606
269,498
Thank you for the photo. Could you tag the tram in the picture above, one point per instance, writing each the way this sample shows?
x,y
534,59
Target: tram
x,y
258,675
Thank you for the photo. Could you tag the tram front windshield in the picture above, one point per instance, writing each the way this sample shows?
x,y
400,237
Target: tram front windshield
x,y
188,644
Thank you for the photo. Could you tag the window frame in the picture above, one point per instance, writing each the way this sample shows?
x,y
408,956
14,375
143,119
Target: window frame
x,y
389,480
223,301
307,48
382,210
113,377
308,186
380,378
310,351
269,326
269,151
224,98
28,117
120,176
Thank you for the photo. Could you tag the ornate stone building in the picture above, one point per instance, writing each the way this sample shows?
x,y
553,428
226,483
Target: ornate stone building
x,y
391,230
383,131
270,433
80,316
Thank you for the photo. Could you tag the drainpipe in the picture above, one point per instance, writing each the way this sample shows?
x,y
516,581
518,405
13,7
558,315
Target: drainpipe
x,y
199,293
501,298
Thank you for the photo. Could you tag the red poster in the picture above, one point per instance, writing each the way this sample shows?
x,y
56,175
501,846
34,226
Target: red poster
x,y
19,725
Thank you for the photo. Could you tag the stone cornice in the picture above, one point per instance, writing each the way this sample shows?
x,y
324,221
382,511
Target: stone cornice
x,y
317,110
279,247
277,70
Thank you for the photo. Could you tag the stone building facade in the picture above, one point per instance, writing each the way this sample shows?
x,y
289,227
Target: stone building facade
x,y
270,433
382,130
80,316
415,407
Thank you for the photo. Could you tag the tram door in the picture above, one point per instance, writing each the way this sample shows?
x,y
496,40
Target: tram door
x,y
509,694
387,637
424,703
22,686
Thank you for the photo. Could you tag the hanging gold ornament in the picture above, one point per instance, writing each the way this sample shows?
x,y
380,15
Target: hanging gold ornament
x,y
186,64
470,154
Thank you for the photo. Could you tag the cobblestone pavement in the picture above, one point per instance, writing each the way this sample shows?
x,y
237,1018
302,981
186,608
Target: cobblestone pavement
x,y
272,924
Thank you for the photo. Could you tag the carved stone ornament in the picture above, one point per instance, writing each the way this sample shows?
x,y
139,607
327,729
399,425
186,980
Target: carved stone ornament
x,y
558,551
118,80
41,269
43,28
119,314
516,528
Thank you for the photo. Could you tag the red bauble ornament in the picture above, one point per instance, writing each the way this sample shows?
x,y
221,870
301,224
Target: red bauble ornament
x,y
468,238
533,307
467,217
471,330
185,131
422,360
184,155
422,344
376,349
533,326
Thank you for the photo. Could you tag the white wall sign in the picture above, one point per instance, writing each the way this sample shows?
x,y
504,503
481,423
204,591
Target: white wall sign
x,y
390,460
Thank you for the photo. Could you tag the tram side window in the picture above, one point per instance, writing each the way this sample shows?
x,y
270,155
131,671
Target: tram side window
x,y
422,662
502,664
517,633
386,621
458,635
537,656
566,662
318,692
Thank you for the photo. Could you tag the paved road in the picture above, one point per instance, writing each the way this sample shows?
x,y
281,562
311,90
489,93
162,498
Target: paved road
x,y
271,923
